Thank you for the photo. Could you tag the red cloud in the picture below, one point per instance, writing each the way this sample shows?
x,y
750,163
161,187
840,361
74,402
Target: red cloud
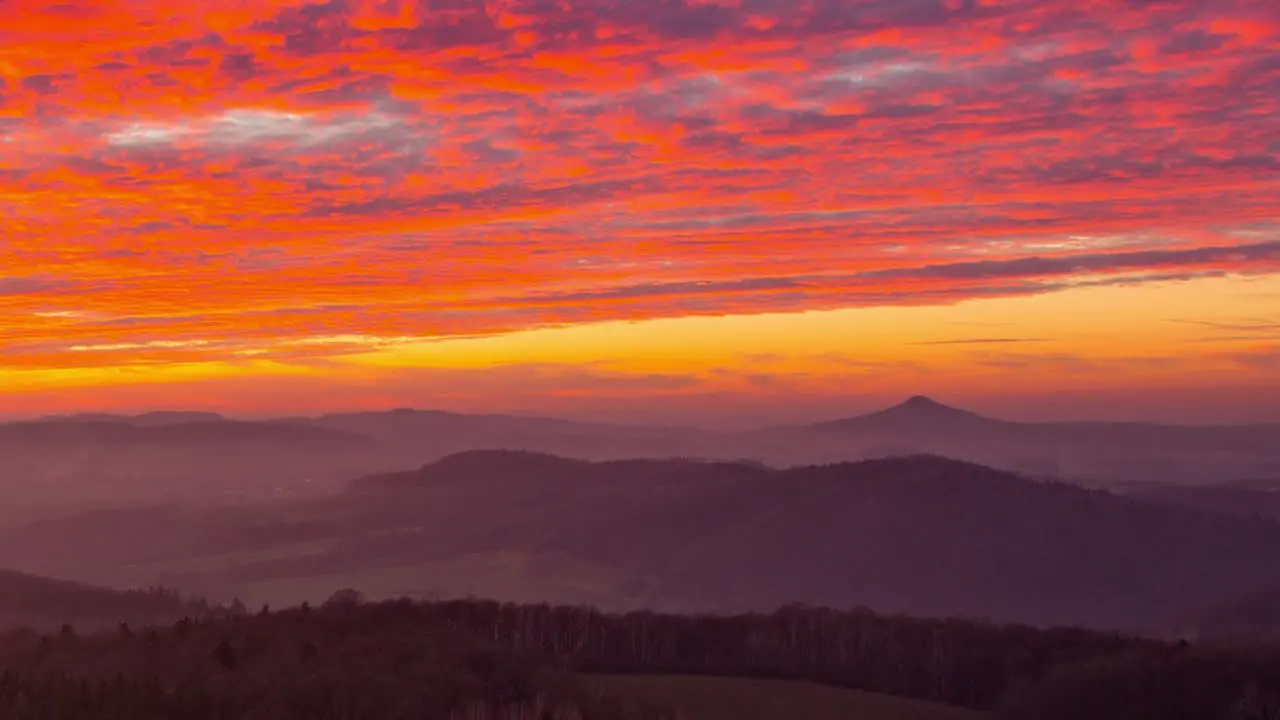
x,y
403,169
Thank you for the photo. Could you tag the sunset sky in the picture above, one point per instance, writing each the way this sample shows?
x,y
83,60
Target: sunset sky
x,y
669,210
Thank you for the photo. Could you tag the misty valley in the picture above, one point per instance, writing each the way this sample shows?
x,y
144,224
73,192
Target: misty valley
x,y
918,562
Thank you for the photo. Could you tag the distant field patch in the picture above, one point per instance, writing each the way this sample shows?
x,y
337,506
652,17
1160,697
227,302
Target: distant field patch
x,y
709,698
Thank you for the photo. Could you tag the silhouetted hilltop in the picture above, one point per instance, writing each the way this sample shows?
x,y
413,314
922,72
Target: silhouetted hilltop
x,y
489,462
916,414
1101,452
525,467
413,437
474,466
921,415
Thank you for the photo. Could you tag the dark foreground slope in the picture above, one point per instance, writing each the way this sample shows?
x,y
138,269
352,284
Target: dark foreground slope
x,y
921,535
476,660
40,603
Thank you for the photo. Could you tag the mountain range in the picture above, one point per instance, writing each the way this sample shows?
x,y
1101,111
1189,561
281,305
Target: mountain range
x,y
200,454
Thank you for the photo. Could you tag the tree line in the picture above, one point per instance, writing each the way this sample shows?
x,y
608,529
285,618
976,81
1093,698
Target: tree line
x,y
338,662
1019,672
483,660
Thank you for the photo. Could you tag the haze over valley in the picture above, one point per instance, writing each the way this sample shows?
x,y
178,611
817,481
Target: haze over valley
x,y
1137,537
921,508
163,456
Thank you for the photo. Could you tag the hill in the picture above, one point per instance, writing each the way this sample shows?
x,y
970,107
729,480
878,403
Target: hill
x,y
40,603
1100,452
917,415
921,535
413,437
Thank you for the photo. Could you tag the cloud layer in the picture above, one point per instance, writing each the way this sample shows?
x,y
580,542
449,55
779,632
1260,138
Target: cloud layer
x,y
311,179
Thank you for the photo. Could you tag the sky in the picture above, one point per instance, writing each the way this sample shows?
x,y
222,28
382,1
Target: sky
x,y
720,211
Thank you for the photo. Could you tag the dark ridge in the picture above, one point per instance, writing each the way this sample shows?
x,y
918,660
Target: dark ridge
x,y
175,417
41,603
200,432
920,534
474,465
532,466
528,467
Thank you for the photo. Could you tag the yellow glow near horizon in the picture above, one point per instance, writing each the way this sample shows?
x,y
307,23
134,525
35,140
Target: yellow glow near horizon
x,y
1159,335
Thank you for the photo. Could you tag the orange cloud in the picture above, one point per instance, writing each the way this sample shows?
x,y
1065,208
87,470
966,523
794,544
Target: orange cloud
x,y
304,180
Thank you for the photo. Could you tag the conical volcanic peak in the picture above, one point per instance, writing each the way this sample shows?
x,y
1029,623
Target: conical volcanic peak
x,y
922,406
916,413
924,403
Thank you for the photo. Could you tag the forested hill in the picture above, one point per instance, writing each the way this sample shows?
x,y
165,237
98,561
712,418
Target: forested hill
x,y
923,535
41,603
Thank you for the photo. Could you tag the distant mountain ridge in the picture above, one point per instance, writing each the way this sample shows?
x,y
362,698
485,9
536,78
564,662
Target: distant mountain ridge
x,y
203,431
157,417
98,458
193,451
1107,452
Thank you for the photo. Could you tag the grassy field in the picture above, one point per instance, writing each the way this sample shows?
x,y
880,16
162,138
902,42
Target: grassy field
x,y
705,698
